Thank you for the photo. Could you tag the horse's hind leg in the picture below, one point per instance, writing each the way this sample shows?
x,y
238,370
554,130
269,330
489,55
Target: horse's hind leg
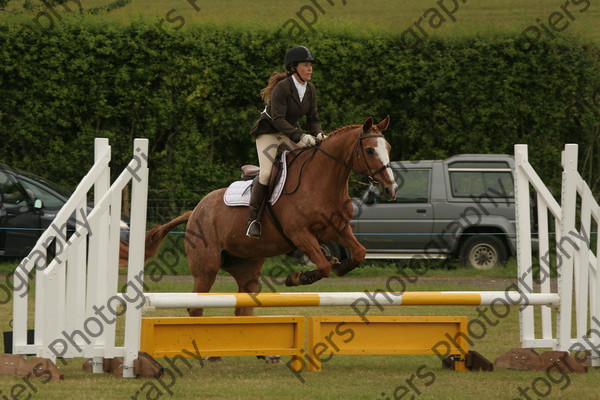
x,y
202,284
247,274
204,266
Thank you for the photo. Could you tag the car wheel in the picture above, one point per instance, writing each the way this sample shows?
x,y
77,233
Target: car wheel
x,y
483,252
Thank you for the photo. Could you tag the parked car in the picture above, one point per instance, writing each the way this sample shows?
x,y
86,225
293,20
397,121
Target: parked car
x,y
28,205
459,208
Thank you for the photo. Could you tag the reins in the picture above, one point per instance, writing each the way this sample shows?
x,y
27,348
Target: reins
x,y
370,176
302,167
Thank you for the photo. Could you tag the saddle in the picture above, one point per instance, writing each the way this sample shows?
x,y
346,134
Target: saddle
x,y
249,172
238,193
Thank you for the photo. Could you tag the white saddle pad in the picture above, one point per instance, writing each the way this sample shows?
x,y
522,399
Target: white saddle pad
x,y
238,193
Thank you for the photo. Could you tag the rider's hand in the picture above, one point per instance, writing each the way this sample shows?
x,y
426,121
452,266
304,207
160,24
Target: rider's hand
x,y
320,136
308,140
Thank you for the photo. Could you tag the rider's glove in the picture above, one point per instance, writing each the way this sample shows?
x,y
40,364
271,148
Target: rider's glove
x,y
308,140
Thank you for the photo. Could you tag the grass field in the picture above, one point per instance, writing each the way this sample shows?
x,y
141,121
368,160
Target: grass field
x,y
379,16
347,377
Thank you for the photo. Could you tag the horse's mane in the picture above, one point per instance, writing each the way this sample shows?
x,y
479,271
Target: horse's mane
x,y
331,134
343,128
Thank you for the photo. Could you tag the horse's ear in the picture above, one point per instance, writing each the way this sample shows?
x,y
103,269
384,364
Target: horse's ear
x,y
383,125
368,124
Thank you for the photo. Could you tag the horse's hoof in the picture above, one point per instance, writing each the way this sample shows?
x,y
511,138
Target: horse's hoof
x,y
332,259
293,279
343,268
270,359
273,359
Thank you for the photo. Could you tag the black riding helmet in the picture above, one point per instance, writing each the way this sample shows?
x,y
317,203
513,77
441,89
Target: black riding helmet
x,y
297,55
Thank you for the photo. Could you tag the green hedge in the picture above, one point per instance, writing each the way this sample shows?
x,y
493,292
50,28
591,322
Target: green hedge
x,y
195,94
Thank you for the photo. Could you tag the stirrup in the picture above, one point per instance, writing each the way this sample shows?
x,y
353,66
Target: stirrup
x,y
254,229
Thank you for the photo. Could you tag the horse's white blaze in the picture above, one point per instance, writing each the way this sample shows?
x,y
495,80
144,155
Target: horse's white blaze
x,y
382,153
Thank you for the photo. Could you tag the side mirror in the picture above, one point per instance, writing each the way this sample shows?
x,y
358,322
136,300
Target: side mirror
x,y
38,204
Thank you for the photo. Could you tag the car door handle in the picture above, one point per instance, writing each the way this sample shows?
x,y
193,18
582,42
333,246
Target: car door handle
x,y
421,211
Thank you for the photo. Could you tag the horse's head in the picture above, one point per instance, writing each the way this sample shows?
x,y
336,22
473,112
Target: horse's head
x,y
373,158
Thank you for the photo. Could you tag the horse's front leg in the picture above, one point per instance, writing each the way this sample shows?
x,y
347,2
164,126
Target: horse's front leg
x,y
357,252
309,245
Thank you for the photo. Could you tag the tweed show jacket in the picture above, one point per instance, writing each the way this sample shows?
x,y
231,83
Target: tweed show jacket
x,y
285,109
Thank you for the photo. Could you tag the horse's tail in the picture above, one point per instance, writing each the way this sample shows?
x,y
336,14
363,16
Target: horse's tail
x,y
154,237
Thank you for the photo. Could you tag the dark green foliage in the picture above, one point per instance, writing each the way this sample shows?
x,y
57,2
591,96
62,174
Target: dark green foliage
x,y
195,94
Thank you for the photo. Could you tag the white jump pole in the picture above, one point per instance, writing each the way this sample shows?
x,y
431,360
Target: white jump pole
x,y
218,300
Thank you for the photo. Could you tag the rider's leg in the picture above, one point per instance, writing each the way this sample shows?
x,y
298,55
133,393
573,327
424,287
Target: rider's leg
x,y
266,146
257,198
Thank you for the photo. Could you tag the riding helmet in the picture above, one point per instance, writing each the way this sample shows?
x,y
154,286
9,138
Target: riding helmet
x,y
296,55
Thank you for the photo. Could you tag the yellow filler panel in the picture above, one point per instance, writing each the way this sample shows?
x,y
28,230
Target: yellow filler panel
x,y
438,335
223,336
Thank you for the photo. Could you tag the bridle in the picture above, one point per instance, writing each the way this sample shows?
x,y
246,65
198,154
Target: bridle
x,y
371,175
360,149
357,152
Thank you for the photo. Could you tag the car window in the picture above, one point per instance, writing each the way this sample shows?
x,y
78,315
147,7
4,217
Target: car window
x,y
476,183
413,187
10,191
44,182
49,200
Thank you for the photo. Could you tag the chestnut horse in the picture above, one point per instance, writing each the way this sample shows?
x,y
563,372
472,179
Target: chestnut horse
x,y
314,208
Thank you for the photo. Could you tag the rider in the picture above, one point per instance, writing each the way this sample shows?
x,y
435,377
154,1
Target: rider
x,y
289,96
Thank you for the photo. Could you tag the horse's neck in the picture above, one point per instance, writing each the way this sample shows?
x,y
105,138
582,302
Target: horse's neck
x,y
333,169
342,145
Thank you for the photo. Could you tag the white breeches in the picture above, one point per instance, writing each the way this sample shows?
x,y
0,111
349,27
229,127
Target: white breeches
x,y
266,146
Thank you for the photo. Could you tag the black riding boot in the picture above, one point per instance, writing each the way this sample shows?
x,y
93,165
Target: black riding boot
x,y
257,199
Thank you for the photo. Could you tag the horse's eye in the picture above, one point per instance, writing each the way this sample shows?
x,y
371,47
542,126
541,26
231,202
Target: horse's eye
x,y
370,150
